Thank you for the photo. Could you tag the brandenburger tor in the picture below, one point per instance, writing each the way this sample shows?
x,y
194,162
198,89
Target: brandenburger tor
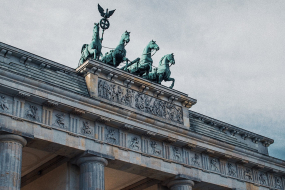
x,y
110,124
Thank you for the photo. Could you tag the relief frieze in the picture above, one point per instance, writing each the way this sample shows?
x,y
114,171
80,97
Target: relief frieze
x,y
154,148
32,112
196,160
139,101
3,103
59,121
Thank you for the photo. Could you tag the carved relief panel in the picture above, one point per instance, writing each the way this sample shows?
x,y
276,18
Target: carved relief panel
x,y
87,127
263,178
139,101
196,159
248,174
134,142
155,148
60,120
112,135
232,170
6,104
176,154
214,165
32,112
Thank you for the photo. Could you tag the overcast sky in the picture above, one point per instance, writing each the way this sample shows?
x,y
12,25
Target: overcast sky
x,y
229,55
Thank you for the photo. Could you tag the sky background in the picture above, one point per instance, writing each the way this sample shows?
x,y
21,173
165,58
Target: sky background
x,y
229,55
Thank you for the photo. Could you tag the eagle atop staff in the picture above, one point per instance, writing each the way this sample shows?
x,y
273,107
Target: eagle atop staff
x,y
107,14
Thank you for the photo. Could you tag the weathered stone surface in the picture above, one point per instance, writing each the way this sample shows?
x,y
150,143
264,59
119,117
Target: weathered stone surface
x,y
92,173
11,161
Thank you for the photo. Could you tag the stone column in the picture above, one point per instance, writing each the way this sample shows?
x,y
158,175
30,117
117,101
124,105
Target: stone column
x,y
11,161
92,173
180,184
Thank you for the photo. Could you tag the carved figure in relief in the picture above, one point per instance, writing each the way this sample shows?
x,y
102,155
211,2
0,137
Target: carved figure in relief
x,y
195,160
32,112
119,94
139,98
60,120
248,174
113,93
100,88
278,183
214,164
3,103
176,153
110,137
86,128
141,101
134,144
148,107
128,98
155,151
263,179
232,170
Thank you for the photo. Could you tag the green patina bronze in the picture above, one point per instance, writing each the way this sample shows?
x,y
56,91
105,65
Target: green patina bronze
x,y
104,23
140,66
162,72
118,55
92,50
144,66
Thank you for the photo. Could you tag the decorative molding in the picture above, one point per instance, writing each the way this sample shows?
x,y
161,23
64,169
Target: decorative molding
x,y
143,88
110,76
128,127
51,103
103,119
23,94
150,134
77,111
233,129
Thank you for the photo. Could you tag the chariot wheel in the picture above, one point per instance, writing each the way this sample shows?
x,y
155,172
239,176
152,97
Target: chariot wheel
x,y
104,23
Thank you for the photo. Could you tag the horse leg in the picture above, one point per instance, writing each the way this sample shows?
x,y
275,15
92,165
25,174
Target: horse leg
x,y
114,60
95,54
160,78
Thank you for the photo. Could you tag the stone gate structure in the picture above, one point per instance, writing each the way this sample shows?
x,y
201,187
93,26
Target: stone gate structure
x,y
98,127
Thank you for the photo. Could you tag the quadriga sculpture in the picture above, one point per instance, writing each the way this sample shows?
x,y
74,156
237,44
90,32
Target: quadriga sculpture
x,y
144,66
92,50
162,72
118,55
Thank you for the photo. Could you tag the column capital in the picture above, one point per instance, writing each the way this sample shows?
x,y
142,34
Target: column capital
x,y
83,160
13,138
180,182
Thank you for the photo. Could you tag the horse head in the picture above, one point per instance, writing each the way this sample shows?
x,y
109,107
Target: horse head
x,y
171,59
96,29
126,37
152,45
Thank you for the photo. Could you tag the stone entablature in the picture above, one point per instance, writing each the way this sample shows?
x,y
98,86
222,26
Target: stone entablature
x,y
130,138
28,106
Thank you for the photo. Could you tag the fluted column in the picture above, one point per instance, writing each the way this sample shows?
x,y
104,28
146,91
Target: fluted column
x,y
180,184
92,173
11,161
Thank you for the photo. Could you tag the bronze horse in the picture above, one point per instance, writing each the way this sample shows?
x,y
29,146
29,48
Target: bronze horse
x,y
92,50
118,55
162,72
